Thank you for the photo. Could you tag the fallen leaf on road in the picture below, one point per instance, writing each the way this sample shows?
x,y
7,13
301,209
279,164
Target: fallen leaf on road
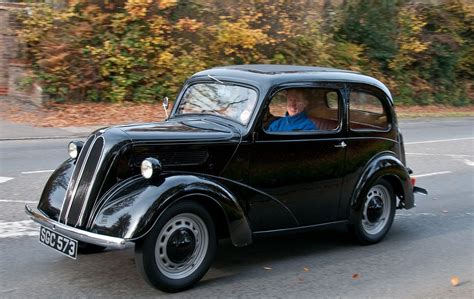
x,y
445,211
267,268
454,281
306,269
355,276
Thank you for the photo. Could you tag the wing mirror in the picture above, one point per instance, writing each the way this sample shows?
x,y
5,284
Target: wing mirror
x,y
165,105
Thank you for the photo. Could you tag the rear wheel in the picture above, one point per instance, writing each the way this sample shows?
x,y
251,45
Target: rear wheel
x,y
372,221
179,249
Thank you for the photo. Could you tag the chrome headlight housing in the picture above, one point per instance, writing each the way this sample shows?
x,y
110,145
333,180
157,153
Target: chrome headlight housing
x,y
150,167
74,148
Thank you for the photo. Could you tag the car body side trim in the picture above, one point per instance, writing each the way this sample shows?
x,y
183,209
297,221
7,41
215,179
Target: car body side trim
x,y
299,228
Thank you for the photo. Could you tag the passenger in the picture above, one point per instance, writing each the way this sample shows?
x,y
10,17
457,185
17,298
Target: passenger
x,y
295,118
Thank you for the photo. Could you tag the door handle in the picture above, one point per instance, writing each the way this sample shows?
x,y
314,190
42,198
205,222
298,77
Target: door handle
x,y
341,145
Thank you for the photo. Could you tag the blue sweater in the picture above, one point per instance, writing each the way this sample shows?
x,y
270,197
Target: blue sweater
x,y
293,123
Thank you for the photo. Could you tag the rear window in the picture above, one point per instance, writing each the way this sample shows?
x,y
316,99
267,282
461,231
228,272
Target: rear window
x,y
366,112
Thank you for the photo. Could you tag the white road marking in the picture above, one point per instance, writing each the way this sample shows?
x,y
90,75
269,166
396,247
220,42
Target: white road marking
x,y
440,140
37,171
405,214
414,214
4,179
468,162
18,201
18,229
431,174
444,155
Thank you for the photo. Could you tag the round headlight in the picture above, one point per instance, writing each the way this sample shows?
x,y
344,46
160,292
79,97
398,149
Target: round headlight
x,y
74,148
150,167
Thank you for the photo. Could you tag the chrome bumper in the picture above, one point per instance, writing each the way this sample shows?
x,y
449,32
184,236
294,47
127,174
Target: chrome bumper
x,y
419,190
74,233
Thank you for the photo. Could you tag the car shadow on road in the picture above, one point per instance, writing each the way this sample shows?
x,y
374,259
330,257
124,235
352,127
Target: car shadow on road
x,y
273,253
114,272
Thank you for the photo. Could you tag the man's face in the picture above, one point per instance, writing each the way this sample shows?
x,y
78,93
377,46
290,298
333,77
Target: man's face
x,y
295,102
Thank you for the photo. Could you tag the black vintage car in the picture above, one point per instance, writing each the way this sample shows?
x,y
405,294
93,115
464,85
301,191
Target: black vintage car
x,y
247,151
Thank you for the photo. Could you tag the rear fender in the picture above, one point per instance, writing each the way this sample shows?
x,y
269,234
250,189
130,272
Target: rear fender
x,y
131,209
387,166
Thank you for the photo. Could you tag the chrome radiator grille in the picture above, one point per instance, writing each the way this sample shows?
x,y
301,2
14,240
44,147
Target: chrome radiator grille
x,y
81,183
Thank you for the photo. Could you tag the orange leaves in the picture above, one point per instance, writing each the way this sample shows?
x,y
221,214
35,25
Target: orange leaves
x,y
239,40
187,24
409,39
165,59
164,4
137,8
145,49
454,281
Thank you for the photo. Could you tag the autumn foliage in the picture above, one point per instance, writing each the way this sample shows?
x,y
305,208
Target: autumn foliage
x,y
142,50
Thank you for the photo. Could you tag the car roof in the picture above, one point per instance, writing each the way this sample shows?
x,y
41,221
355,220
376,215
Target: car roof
x,y
274,74
273,69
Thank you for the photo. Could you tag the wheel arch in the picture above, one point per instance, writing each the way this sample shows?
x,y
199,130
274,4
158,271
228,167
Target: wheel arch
x,y
214,208
387,166
133,210
396,184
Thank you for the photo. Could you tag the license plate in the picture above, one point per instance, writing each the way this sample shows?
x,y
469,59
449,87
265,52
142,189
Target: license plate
x,y
61,243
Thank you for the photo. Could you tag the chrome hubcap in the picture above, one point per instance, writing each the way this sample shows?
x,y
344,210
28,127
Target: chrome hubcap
x,y
181,245
376,210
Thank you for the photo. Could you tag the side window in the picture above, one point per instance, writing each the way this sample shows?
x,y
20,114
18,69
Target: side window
x,y
332,99
366,112
303,109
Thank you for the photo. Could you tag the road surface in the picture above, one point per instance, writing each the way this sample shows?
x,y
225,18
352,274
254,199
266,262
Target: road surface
x,y
425,248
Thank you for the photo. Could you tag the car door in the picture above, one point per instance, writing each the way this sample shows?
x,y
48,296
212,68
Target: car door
x,y
303,169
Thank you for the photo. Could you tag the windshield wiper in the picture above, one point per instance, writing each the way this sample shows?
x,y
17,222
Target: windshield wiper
x,y
215,79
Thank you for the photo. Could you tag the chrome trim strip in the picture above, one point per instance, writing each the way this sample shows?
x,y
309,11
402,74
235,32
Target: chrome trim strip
x,y
419,190
69,186
96,170
78,180
299,228
74,233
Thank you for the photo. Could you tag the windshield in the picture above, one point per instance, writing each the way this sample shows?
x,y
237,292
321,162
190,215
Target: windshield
x,y
230,101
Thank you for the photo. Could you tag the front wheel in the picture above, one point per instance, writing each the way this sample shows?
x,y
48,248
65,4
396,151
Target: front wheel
x,y
179,249
372,221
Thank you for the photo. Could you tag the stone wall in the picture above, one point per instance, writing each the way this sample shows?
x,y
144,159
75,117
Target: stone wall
x,y
12,67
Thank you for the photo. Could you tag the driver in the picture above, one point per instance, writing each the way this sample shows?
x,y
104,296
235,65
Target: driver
x,y
295,118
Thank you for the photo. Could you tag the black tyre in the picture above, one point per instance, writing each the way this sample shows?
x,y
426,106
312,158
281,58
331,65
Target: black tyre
x,y
86,248
372,221
179,249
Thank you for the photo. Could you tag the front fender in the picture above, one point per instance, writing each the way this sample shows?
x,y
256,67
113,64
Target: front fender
x,y
390,167
130,209
52,198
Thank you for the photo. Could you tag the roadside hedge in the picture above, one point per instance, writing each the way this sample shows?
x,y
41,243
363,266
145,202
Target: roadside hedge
x,y
142,50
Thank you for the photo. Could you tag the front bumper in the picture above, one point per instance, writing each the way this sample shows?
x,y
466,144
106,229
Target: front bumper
x,y
74,233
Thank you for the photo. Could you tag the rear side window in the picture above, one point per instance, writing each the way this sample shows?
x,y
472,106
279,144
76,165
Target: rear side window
x,y
366,112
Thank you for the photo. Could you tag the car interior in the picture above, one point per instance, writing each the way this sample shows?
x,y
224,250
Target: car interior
x,y
365,111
